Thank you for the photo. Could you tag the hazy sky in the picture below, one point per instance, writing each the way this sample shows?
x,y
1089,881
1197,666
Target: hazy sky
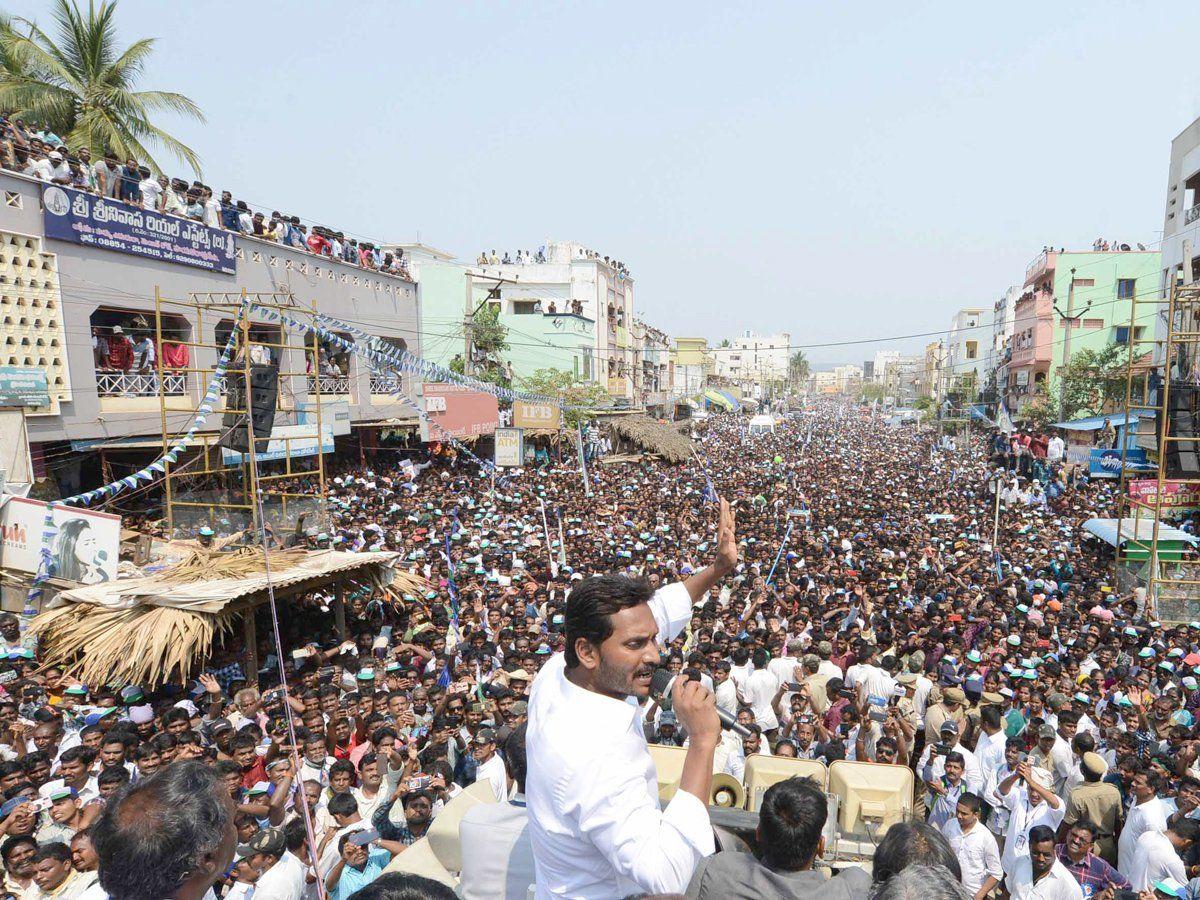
x,y
838,171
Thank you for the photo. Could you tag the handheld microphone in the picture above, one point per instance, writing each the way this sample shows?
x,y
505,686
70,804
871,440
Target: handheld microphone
x,y
660,690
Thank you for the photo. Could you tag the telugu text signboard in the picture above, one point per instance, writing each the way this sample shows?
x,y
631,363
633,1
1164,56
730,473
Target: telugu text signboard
x,y
23,387
80,218
536,415
1175,494
84,548
510,448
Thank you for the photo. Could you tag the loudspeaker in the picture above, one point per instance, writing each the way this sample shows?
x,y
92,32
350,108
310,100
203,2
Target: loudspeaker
x,y
264,395
1183,456
727,792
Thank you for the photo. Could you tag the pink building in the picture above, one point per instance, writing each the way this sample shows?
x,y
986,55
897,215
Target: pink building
x,y
1032,341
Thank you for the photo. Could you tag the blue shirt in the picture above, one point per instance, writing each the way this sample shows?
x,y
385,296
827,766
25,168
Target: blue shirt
x,y
352,879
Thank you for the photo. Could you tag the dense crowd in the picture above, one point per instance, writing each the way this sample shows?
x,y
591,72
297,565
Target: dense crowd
x,y
43,155
1048,718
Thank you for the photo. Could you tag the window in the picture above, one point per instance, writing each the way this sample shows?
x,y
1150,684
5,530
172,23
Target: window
x,y
526,307
1093,323
1122,335
972,349
1085,282
1125,288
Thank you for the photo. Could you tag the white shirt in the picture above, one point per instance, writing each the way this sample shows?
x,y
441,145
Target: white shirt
x,y
1054,449
1025,816
759,691
989,752
978,854
972,774
739,675
727,698
784,669
921,696
830,669
1057,884
151,193
283,881
1154,858
493,770
594,818
1142,817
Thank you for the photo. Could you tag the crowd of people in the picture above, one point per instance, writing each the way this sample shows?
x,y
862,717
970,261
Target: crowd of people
x,y
1048,718
45,156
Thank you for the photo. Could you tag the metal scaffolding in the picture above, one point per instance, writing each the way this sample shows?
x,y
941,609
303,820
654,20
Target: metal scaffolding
x,y
214,484
1166,328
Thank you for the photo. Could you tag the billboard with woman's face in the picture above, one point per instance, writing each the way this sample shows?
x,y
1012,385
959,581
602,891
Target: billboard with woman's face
x,y
84,547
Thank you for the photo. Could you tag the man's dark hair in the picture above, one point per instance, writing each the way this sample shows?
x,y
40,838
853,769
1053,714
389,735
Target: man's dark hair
x,y
295,834
404,886
790,821
1185,828
970,801
13,843
514,755
922,882
117,775
912,844
54,850
242,742
990,716
1086,825
342,804
151,838
77,754
175,714
592,605
1039,834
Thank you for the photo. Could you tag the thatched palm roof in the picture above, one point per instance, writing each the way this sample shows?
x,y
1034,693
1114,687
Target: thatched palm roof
x,y
157,628
654,437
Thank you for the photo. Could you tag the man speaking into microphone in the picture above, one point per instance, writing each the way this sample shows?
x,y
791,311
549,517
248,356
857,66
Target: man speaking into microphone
x,y
594,819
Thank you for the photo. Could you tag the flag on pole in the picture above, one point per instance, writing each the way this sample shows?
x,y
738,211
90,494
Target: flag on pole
x,y
1003,419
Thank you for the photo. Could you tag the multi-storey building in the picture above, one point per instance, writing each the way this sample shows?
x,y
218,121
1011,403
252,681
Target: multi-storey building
x,y
69,290
1073,301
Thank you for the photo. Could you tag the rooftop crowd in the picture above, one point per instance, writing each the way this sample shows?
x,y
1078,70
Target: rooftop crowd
x,y
44,156
1048,718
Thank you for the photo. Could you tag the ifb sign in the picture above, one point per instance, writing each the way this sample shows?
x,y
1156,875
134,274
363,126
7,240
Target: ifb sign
x,y
536,415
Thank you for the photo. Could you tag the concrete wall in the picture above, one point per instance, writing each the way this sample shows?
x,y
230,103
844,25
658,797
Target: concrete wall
x,y
92,279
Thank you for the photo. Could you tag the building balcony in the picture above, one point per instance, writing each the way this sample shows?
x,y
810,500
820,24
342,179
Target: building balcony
x,y
386,383
329,384
1191,215
114,383
1041,264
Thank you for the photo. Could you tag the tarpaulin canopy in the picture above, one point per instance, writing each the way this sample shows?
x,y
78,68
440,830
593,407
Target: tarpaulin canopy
x,y
1142,529
1095,423
721,399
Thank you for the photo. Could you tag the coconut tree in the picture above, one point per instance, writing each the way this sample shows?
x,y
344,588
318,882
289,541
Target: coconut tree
x,y
82,85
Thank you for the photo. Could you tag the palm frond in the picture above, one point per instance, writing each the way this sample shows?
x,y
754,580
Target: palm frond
x,y
147,102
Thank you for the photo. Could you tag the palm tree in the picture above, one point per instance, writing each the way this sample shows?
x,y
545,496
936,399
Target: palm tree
x,y
798,368
82,85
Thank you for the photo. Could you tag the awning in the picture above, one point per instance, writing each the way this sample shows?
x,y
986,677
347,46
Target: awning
x,y
719,399
129,443
1095,423
690,403
1106,530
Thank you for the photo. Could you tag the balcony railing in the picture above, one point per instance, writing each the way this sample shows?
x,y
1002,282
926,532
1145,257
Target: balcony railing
x,y
139,384
386,383
1191,215
329,384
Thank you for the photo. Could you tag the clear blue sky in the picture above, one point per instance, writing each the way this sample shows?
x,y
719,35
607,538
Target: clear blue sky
x,y
836,171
